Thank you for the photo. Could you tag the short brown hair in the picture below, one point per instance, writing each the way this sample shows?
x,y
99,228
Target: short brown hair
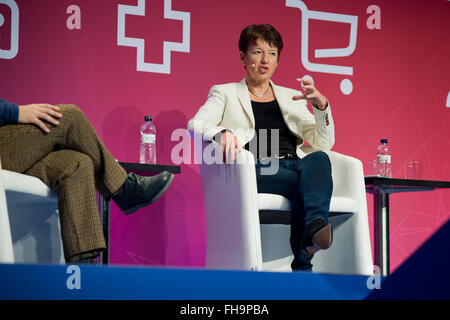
x,y
264,32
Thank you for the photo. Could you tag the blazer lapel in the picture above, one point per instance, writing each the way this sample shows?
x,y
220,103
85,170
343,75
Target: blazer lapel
x,y
244,99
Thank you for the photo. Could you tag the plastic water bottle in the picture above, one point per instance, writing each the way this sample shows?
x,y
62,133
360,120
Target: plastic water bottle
x,y
148,142
384,159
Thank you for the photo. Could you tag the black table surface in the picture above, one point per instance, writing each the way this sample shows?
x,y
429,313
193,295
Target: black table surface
x,y
393,182
135,167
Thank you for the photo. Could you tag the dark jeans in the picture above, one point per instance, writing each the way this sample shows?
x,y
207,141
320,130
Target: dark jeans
x,y
307,183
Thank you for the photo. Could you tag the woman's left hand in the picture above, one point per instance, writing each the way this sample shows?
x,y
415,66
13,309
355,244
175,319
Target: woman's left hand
x,y
312,95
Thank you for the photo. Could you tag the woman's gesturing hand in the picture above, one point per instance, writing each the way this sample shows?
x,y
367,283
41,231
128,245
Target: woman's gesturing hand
x,y
36,113
312,94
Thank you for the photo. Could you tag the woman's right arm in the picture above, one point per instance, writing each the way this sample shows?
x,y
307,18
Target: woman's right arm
x,y
206,124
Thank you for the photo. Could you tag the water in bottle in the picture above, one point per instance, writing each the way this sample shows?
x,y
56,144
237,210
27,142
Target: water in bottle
x,y
384,159
148,142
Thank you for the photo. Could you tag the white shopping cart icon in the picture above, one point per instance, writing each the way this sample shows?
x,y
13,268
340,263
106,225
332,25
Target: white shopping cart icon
x,y
346,84
12,52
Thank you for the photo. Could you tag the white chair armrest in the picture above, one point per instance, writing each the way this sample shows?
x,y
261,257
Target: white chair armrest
x,y
26,189
6,247
29,223
231,207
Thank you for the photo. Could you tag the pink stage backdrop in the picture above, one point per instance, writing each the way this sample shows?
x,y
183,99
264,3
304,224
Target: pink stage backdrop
x,y
391,80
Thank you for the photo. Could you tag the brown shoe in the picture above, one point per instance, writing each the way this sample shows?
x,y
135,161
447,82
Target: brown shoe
x,y
321,240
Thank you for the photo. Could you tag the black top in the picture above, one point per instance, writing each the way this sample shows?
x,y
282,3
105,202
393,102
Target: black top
x,y
268,116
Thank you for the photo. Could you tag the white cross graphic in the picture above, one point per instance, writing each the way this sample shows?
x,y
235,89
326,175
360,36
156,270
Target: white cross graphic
x,y
168,46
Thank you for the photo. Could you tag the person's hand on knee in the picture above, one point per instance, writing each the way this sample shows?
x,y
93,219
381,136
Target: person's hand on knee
x,y
36,113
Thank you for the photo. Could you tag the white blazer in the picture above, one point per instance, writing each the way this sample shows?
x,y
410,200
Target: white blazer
x,y
229,107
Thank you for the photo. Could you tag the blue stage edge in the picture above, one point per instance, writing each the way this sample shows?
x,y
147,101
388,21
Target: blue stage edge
x,y
92,282
425,275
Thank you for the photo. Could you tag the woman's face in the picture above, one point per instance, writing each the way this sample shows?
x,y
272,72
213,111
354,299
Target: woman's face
x,y
261,60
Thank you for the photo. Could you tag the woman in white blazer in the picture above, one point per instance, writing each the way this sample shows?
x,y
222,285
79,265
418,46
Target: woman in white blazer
x,y
273,122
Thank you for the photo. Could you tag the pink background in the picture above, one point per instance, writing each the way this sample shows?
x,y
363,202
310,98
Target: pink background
x,y
400,82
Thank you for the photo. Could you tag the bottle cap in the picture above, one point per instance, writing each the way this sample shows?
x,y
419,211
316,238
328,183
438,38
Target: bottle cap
x,y
148,118
384,141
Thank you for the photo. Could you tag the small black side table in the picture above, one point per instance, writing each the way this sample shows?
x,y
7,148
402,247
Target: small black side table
x,y
105,205
381,188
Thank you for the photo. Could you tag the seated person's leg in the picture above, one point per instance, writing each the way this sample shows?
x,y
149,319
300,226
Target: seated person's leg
x,y
286,183
71,174
81,136
22,145
316,188
129,192
25,148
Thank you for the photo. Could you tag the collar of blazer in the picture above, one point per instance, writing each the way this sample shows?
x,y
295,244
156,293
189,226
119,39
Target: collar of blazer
x,y
244,98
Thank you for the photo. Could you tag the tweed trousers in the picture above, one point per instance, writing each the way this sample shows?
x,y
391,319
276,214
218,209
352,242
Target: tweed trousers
x,y
73,161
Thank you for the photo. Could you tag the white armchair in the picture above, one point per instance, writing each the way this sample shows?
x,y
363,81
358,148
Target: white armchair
x,y
235,239
29,222
6,247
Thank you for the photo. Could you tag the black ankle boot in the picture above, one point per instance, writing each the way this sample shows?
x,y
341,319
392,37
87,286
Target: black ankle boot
x,y
138,191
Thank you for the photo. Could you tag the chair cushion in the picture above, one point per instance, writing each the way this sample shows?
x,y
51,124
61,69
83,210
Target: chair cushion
x,y
275,209
268,201
24,189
